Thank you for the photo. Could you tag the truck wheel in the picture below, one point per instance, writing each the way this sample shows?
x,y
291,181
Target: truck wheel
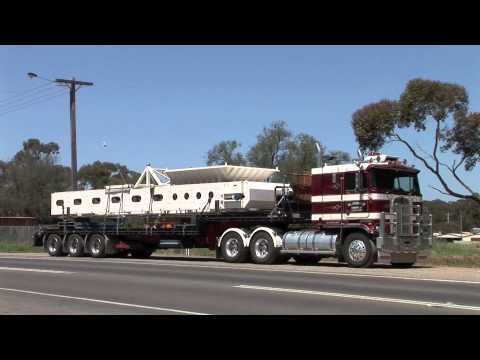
x,y
75,245
262,249
54,245
96,246
232,249
307,259
359,250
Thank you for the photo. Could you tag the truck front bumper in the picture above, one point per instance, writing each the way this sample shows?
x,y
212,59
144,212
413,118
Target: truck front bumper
x,y
403,257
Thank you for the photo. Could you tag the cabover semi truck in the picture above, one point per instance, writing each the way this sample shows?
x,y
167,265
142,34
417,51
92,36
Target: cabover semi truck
x,y
361,213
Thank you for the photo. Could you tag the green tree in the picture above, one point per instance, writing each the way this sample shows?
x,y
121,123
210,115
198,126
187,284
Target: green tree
x,y
225,152
27,181
100,174
271,146
446,215
422,102
301,154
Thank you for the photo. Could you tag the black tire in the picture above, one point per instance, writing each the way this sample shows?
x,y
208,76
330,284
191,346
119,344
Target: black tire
x,y
232,248
307,259
361,245
97,246
141,254
54,245
75,246
403,265
262,249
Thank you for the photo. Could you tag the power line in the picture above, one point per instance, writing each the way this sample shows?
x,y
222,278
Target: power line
x,y
29,101
32,103
31,97
25,92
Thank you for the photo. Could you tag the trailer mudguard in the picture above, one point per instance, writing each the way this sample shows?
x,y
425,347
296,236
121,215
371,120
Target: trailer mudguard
x,y
242,232
276,235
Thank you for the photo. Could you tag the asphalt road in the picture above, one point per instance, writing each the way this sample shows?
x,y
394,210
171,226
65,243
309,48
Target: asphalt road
x,y
44,285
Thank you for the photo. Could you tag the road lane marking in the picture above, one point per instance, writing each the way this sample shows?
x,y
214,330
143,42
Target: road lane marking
x,y
158,263
361,297
103,301
8,268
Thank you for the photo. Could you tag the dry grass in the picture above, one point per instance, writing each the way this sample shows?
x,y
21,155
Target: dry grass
x,y
6,246
455,254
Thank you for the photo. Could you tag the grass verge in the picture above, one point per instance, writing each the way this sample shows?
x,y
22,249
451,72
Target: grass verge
x,y
455,254
15,247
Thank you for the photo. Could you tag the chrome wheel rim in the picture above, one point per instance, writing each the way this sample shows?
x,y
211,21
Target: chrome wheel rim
x,y
232,247
53,245
96,244
74,246
261,248
357,251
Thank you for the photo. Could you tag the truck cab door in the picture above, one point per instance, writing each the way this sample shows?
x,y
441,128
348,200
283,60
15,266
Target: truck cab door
x,y
355,195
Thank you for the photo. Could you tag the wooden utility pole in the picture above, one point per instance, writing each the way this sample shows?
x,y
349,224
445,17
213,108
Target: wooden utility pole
x,y
73,122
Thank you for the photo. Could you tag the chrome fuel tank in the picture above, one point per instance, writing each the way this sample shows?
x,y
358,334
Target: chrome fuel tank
x,y
309,240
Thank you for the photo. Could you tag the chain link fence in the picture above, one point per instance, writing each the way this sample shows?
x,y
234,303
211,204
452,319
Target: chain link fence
x,y
14,238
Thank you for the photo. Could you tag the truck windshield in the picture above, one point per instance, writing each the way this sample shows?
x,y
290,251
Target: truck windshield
x,y
391,181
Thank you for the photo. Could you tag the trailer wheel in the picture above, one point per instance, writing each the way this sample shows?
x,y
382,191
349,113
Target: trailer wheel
x,y
75,245
262,249
359,250
307,259
54,245
232,249
96,246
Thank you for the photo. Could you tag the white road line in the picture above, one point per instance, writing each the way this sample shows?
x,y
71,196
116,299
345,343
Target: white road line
x,y
362,297
104,301
34,270
268,269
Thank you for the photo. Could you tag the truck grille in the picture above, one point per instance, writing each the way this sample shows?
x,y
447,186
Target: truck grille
x,y
407,228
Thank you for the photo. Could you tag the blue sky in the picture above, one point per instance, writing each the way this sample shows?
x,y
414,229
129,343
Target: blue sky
x,y
168,105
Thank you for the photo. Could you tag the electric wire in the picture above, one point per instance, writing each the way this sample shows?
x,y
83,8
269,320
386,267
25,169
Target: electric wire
x,y
30,97
28,101
8,99
27,105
